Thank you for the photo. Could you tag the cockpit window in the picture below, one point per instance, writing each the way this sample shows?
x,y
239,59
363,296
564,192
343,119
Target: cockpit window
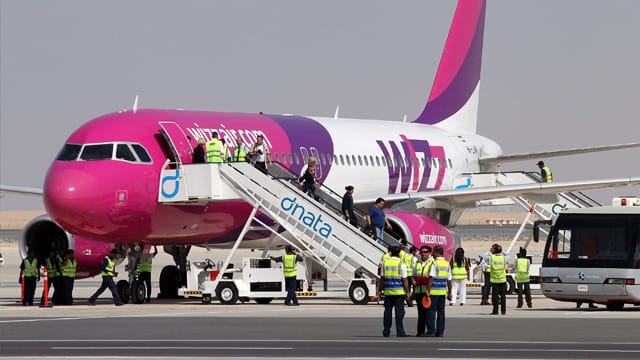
x,y
129,152
124,153
97,152
69,152
142,153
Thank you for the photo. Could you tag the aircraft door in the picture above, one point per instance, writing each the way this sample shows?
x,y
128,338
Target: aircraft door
x,y
178,142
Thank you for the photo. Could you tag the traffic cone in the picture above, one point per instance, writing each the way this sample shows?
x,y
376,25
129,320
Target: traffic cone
x,y
45,293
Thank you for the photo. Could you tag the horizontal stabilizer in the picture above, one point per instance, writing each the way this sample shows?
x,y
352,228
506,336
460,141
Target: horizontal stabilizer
x,y
548,154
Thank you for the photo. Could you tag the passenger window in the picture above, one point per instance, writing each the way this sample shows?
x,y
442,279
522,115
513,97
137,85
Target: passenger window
x,y
450,163
359,160
377,160
371,160
366,161
296,158
384,161
97,152
69,152
142,153
341,160
124,153
353,157
323,160
348,160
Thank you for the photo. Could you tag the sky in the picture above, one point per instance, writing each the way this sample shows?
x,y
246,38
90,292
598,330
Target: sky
x,y
555,74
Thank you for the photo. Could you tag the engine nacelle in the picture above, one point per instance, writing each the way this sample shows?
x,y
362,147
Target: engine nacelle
x,y
421,230
42,235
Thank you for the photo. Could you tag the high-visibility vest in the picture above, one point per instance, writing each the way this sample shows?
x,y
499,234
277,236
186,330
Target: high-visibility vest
x,y
459,272
30,267
289,267
108,271
549,176
392,279
497,269
421,276
145,264
69,270
239,154
409,261
522,270
214,154
53,268
439,285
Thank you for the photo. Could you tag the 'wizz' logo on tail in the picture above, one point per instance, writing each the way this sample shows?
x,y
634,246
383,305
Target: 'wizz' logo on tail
x,y
403,164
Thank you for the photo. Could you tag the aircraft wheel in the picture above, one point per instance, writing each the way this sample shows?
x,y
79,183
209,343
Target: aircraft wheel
x,y
263,300
169,277
227,293
358,293
511,285
124,291
138,292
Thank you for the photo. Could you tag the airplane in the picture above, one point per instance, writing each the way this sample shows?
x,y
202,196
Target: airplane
x,y
102,189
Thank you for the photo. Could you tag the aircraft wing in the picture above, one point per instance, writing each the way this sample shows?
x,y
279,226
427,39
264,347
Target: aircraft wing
x,y
547,154
22,190
468,197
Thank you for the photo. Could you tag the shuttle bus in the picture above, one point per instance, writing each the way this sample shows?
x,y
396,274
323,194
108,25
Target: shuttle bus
x,y
593,254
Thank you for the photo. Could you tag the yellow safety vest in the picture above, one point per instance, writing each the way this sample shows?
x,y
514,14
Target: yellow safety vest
x,y
69,270
459,273
392,279
439,285
214,155
549,176
52,269
289,267
421,276
145,264
239,154
522,270
408,261
108,271
30,267
497,269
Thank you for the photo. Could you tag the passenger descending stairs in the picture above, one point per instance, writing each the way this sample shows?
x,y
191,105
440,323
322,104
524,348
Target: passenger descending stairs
x,y
322,233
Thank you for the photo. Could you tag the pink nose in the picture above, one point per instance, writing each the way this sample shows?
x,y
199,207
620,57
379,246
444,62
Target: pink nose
x,y
70,194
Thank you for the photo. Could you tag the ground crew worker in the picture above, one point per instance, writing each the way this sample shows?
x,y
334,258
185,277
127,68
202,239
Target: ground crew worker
x,y
29,271
226,153
68,269
545,172
486,275
54,277
498,275
420,281
410,260
522,277
460,274
396,290
439,290
108,272
214,149
290,269
240,152
146,263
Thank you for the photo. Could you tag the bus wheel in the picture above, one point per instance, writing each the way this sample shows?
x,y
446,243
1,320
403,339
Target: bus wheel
x,y
511,285
615,306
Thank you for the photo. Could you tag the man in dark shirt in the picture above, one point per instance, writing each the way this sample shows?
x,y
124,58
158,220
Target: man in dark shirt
x,y
377,219
198,152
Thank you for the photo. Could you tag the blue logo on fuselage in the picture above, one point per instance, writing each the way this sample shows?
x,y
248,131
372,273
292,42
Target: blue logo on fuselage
x,y
311,220
176,186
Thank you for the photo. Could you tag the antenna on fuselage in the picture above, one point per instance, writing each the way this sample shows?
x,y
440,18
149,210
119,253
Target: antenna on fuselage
x,y
135,104
335,116
404,119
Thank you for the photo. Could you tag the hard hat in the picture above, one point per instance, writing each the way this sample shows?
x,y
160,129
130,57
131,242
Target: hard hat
x,y
540,163
426,302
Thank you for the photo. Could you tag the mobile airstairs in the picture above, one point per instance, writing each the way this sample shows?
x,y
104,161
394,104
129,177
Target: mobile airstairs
x,y
312,226
543,207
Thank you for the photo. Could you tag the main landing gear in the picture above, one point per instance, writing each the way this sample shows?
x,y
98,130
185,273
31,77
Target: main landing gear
x,y
173,277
